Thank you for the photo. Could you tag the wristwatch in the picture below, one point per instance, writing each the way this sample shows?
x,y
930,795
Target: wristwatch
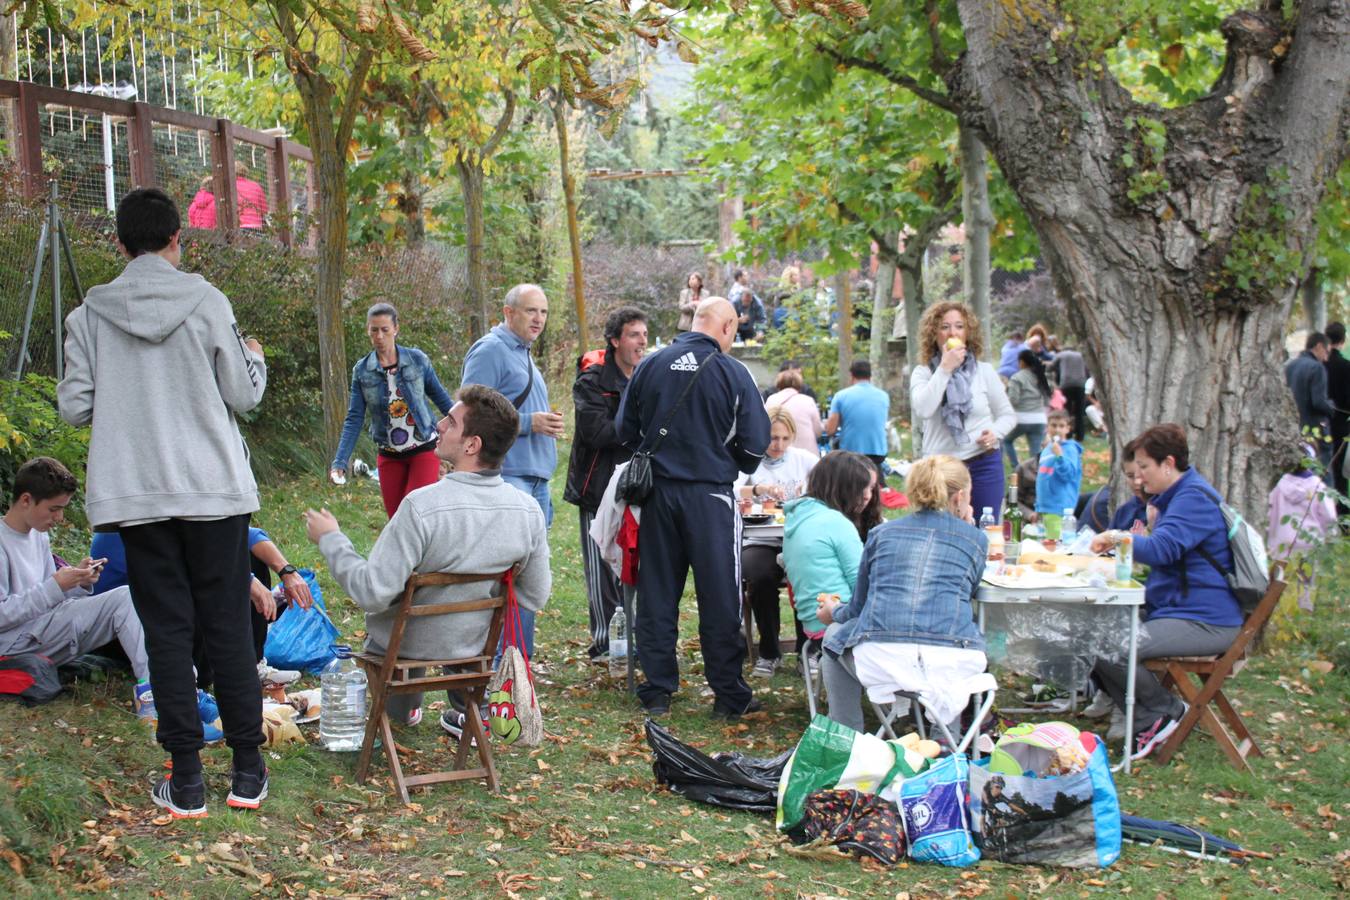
x,y
287,569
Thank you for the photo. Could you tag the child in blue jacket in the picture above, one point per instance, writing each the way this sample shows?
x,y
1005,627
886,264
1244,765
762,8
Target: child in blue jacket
x,y
1059,473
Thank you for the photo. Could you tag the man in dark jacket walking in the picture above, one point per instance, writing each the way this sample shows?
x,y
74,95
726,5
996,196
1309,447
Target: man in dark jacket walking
x,y
1306,375
596,451
690,519
1338,388
1071,373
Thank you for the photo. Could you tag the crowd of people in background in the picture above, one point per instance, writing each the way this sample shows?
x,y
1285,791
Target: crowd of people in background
x,y
181,579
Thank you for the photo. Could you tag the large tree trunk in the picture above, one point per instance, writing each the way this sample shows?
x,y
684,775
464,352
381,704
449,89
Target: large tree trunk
x,y
471,178
883,306
1314,301
7,64
979,222
330,122
569,186
1178,236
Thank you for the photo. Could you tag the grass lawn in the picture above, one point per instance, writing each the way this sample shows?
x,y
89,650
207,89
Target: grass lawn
x,y
581,817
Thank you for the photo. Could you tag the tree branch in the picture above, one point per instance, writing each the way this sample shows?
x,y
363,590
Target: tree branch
x,y
938,99
503,124
355,90
938,60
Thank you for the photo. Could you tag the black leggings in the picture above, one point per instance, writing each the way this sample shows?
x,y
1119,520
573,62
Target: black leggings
x,y
762,576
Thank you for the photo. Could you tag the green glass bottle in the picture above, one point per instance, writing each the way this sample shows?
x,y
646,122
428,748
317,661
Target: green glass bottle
x,y
1012,519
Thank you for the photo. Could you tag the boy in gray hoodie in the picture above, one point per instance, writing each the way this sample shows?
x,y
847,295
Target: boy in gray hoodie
x,y
155,361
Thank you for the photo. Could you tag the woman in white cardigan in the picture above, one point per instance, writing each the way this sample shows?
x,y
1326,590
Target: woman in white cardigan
x,y
960,401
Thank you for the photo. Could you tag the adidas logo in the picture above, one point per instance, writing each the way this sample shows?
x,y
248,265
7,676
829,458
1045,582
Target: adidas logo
x,y
686,363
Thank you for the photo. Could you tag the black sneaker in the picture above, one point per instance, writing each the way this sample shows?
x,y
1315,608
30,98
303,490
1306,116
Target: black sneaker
x,y
452,722
657,705
247,789
188,802
721,712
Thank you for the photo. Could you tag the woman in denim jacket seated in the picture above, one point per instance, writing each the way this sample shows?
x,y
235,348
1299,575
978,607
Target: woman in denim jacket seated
x,y
393,385
910,624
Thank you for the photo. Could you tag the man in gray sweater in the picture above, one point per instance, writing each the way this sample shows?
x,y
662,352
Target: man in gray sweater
x,y
470,521
155,362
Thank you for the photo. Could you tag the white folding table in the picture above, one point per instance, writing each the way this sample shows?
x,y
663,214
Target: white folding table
x,y
1110,602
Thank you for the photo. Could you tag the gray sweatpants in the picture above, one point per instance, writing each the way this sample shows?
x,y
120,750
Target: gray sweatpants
x,y
1157,638
80,625
845,692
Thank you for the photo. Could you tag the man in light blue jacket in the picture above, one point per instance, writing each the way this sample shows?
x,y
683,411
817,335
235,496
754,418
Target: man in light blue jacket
x,y
501,360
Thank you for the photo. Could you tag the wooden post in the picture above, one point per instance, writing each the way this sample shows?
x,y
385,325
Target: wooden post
x,y
281,191
227,194
29,140
141,140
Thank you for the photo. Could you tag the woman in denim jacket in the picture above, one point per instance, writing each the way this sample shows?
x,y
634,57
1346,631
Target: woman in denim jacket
x,y
910,626
393,385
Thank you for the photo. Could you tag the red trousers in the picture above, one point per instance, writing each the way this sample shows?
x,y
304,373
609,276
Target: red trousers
x,y
399,476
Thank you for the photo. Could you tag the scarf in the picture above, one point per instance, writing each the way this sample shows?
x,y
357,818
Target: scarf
x,y
957,402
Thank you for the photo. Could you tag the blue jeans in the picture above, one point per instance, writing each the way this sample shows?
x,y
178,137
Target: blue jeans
x,y
1035,432
538,489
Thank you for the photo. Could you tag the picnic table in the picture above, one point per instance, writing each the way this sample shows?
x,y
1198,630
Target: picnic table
x,y
1035,619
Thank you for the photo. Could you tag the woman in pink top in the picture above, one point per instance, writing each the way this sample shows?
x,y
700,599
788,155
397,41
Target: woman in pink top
x,y
788,395
250,196
202,209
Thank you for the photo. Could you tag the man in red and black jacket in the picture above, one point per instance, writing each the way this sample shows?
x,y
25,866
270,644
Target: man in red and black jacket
x,y
596,452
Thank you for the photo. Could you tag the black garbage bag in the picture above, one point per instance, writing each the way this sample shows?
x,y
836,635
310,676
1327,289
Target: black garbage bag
x,y
729,780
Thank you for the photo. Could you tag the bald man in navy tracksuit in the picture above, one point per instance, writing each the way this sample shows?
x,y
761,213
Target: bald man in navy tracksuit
x,y
691,518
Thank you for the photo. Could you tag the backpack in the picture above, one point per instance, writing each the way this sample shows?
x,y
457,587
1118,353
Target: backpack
x,y
590,358
29,678
1250,577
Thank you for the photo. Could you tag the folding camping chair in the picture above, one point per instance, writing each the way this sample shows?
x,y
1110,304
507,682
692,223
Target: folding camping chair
x,y
890,704
389,674
1199,681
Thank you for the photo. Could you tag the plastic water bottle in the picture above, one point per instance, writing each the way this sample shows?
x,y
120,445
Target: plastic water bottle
x,y
342,710
1068,528
994,533
618,644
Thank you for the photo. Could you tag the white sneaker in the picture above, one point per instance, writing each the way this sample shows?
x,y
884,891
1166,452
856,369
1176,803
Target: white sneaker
x,y
764,668
270,676
1117,730
1100,707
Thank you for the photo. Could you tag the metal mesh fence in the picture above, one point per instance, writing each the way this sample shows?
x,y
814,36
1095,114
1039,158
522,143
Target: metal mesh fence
x,y
300,178
88,154
183,169
7,113
253,185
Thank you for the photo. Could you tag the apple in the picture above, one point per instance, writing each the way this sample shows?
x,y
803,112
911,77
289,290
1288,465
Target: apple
x,y
955,342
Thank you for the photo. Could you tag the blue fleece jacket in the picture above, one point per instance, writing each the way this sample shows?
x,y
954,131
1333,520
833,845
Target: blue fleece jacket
x,y
821,549
1188,518
1058,477
501,361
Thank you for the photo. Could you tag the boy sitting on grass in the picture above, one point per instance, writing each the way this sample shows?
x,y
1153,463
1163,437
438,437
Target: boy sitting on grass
x,y
48,610
1059,474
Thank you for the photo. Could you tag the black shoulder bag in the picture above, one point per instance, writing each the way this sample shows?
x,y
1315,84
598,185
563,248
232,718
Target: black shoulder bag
x,y
635,484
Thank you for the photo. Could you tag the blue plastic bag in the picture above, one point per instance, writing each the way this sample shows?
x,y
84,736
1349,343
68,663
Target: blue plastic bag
x,y
1057,820
302,638
935,807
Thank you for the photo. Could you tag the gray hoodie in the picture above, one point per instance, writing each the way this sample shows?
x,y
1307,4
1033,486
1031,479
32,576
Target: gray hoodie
x,y
155,361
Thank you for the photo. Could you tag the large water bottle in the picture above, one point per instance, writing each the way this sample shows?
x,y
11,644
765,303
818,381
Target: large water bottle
x,y
618,644
342,710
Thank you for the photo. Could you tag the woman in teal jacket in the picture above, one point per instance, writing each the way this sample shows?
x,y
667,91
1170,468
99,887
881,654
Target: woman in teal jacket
x,y
823,538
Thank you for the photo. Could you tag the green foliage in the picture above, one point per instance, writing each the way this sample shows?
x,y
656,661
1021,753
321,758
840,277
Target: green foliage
x,y
1260,261
805,337
30,426
1144,160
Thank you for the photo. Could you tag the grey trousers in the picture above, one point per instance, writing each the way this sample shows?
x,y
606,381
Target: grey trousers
x,y
1161,637
80,625
843,688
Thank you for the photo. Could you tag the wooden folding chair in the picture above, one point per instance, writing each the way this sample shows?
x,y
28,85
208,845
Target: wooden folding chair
x,y
1199,681
389,674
